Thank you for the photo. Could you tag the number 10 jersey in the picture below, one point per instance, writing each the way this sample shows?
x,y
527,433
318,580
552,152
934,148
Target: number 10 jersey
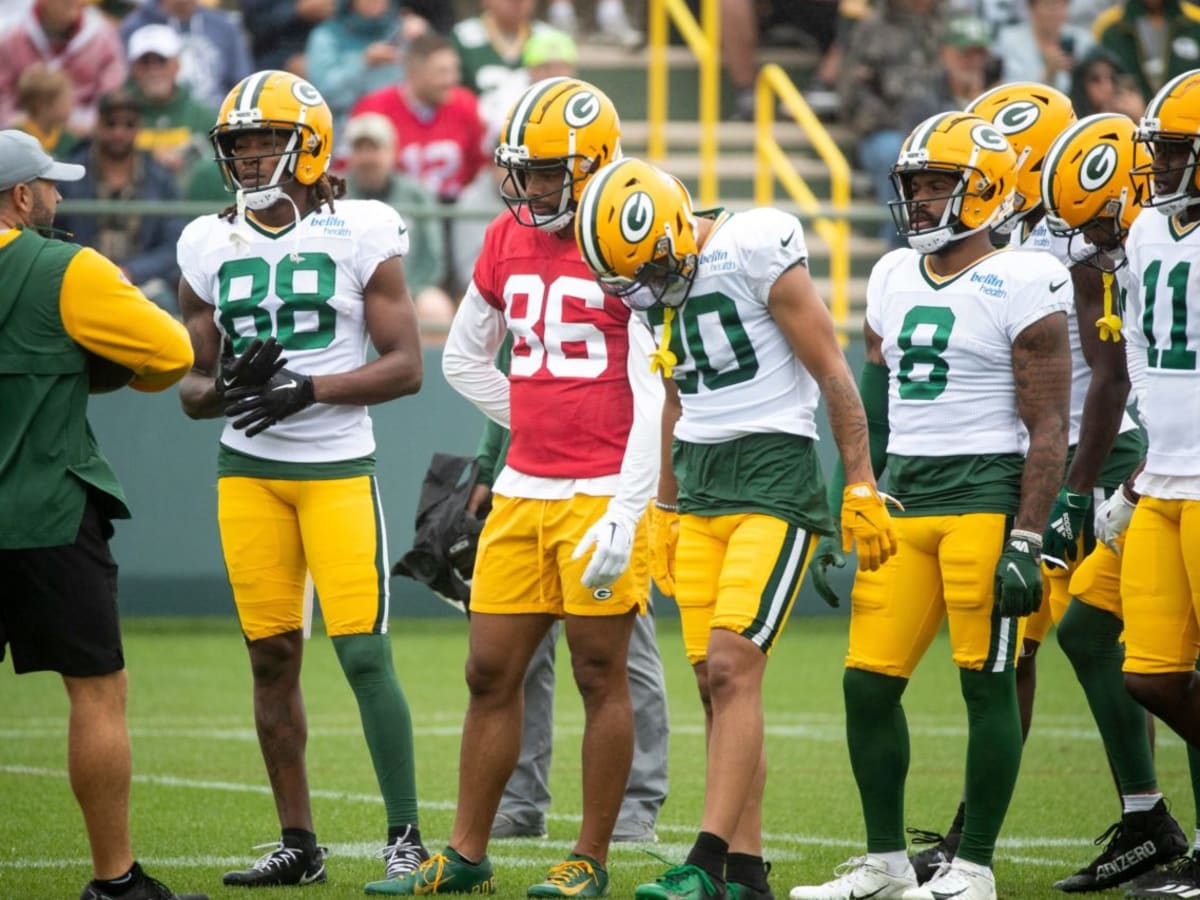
x,y
303,284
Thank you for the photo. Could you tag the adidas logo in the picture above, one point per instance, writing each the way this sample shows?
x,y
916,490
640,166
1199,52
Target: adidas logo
x,y
1129,858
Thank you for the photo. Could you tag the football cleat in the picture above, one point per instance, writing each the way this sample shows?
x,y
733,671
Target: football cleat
x,y
857,879
143,888
1136,844
954,882
685,882
403,855
1178,879
281,865
442,873
573,877
942,848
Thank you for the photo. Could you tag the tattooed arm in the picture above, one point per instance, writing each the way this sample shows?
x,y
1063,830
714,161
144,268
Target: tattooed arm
x,y
1041,360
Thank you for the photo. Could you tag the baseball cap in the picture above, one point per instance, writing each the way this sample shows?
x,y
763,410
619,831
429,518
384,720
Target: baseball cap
x,y
161,40
966,32
372,127
22,159
549,45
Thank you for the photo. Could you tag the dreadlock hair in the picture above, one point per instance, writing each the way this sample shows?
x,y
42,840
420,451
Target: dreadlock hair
x,y
321,192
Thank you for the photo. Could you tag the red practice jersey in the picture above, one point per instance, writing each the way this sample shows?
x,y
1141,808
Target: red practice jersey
x,y
444,153
571,404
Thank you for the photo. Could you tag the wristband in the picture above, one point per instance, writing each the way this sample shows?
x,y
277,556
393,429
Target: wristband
x,y
1034,539
666,507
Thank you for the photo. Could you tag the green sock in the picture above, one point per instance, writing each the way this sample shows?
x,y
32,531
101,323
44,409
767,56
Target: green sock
x,y
1091,639
387,723
877,734
993,758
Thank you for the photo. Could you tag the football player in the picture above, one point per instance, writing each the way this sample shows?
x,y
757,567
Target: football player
x,y
563,539
1160,571
968,369
747,347
287,271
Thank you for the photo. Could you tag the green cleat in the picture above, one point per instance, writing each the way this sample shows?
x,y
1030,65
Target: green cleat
x,y
682,883
443,873
577,876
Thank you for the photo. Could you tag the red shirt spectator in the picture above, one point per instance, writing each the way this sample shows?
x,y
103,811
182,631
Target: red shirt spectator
x,y
439,133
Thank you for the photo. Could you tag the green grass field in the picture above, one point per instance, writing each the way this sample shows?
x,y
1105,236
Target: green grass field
x,y
200,800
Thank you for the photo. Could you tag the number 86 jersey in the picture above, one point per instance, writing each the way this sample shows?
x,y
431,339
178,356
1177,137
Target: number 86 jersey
x,y
947,342
303,284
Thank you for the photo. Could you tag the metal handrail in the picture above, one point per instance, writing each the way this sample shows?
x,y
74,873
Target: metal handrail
x,y
704,40
773,82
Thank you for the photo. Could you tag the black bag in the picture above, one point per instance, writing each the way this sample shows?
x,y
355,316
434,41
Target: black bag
x,y
447,536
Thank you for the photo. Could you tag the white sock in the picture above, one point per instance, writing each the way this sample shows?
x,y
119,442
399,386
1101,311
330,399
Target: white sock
x,y
896,861
972,868
1131,803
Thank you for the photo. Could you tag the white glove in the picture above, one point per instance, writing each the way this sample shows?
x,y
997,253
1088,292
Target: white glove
x,y
1112,518
612,535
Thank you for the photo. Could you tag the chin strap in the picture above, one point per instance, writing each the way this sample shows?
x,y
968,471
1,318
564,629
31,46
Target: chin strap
x,y
1109,323
662,359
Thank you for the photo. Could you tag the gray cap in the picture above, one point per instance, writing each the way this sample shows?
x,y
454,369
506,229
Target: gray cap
x,y
22,159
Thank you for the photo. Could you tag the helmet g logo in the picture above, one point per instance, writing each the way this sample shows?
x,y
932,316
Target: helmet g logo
x,y
1017,117
636,216
306,93
582,109
1098,167
989,138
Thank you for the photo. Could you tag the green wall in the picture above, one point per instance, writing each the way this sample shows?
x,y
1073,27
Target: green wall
x,y
169,553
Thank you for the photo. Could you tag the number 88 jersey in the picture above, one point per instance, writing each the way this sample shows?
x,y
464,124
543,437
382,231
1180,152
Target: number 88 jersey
x,y
947,342
303,284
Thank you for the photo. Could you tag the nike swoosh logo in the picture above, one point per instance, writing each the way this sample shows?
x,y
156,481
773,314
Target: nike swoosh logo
x,y
291,383
854,896
315,876
783,243
942,895
1055,287
404,229
1020,578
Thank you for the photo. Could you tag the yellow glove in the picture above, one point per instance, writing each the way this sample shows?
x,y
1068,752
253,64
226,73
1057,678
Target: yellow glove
x,y
664,536
865,520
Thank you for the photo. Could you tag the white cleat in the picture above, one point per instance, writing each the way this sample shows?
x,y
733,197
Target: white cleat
x,y
953,882
860,878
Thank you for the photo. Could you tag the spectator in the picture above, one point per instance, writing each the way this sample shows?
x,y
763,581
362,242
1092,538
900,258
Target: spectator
x,y
215,55
279,30
1098,86
490,46
739,53
174,126
1043,48
63,304
964,72
142,245
44,101
355,52
371,175
1152,40
890,54
612,22
67,35
439,134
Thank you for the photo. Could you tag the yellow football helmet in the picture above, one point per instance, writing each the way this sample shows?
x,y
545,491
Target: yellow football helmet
x,y
293,111
637,233
556,123
1088,188
1031,116
1172,123
981,161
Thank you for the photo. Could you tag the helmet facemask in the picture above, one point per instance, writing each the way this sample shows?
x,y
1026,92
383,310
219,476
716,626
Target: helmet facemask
x,y
950,227
288,141
1159,144
514,189
664,280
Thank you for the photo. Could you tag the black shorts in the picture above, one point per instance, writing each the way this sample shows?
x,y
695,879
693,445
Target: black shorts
x,y
58,605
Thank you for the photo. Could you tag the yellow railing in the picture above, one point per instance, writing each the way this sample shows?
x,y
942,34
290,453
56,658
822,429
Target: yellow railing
x,y
773,163
704,40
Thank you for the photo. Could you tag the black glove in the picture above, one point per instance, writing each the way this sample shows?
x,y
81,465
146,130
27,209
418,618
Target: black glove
x,y
1019,575
251,369
828,553
285,394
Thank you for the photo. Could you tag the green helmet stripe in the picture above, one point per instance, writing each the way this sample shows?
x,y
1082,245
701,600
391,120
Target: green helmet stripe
x,y
921,137
252,89
589,218
516,128
1154,110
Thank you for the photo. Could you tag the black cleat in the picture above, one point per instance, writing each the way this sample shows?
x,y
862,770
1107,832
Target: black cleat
x,y
1179,878
736,890
144,888
1136,844
282,865
926,862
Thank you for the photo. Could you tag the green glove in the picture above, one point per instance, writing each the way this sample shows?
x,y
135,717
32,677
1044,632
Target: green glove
x,y
828,553
1018,587
1061,539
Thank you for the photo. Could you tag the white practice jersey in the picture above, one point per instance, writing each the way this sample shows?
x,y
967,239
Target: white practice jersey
x,y
1162,317
947,342
736,372
1040,238
304,285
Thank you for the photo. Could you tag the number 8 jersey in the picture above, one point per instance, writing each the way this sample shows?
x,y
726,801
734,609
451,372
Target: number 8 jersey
x,y
947,342
303,284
